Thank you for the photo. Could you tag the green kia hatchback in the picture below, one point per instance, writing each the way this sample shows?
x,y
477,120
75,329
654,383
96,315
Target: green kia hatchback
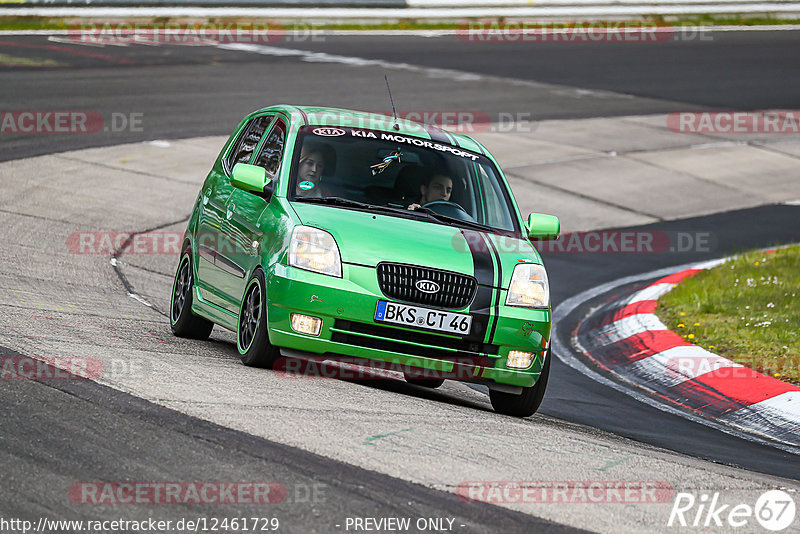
x,y
326,233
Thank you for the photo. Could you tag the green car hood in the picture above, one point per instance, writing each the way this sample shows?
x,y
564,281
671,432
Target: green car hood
x,y
367,239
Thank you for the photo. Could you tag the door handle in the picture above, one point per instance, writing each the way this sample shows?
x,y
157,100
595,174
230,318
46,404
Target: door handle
x,y
228,214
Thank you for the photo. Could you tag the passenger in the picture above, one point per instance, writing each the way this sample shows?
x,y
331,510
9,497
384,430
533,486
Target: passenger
x,y
309,171
439,187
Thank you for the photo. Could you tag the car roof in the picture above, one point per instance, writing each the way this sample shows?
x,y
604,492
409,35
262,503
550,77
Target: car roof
x,y
348,117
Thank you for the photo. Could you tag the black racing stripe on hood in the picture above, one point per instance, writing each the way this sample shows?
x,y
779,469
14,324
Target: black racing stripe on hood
x,y
496,308
483,269
481,311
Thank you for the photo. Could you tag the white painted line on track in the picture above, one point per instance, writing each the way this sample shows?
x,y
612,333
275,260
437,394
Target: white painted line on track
x,y
141,299
62,40
452,74
452,31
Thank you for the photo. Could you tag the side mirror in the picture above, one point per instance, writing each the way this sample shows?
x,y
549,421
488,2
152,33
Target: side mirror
x,y
253,179
544,227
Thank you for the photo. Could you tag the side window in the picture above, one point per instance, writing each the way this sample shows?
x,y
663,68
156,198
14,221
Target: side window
x,y
248,140
271,152
495,214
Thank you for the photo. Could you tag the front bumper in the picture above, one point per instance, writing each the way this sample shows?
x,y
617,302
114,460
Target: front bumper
x,y
347,307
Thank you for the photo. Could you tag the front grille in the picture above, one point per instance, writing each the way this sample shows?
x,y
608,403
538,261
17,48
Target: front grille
x,y
466,353
398,281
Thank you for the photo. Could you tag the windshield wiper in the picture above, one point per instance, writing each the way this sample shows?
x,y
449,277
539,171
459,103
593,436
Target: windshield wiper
x,y
339,201
424,212
453,221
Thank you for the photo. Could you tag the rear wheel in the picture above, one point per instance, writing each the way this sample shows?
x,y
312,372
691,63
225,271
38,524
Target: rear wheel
x,y
183,322
528,402
252,338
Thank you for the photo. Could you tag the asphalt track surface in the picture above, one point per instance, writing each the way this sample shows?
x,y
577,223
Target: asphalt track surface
x,y
199,91
97,433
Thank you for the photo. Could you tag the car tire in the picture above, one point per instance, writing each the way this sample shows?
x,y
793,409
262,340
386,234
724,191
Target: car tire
x,y
183,322
414,378
252,338
526,403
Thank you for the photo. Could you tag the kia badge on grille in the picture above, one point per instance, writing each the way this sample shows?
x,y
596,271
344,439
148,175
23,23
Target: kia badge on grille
x,y
427,286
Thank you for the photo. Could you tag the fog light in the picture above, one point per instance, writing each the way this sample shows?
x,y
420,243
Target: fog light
x,y
306,325
519,359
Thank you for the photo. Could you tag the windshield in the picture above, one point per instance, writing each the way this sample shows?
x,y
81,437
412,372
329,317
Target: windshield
x,y
401,175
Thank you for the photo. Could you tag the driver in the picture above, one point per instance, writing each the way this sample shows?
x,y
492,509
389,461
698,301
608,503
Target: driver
x,y
439,187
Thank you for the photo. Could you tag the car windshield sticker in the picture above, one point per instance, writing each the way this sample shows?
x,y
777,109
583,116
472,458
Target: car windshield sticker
x,y
305,186
397,138
427,144
329,132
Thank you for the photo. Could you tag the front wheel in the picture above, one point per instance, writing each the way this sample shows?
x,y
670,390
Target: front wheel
x,y
419,379
252,338
183,322
526,403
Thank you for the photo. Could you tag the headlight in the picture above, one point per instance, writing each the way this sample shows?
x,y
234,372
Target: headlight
x,y
529,287
314,250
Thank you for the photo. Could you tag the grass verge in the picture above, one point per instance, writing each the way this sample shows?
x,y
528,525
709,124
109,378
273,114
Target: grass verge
x,y
746,310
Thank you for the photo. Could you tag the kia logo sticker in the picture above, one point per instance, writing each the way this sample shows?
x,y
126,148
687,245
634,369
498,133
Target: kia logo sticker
x,y
427,286
329,132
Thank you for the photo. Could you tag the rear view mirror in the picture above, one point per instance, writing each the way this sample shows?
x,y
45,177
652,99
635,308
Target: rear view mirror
x,y
251,178
544,227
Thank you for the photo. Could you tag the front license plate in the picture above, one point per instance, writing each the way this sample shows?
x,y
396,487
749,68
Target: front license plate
x,y
406,315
